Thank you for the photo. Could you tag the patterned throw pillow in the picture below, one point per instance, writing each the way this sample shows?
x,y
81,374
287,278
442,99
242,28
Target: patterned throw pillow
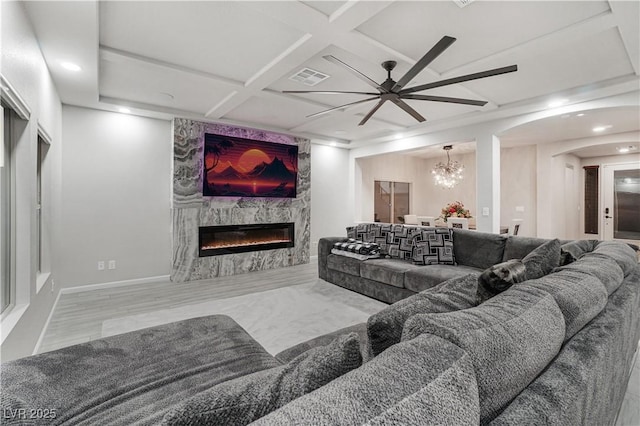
x,y
400,241
433,246
362,232
245,399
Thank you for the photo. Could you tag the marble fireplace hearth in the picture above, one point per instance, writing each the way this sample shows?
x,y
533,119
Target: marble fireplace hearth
x,y
191,211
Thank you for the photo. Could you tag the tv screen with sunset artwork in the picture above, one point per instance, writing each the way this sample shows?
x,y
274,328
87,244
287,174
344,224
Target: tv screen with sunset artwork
x,y
238,167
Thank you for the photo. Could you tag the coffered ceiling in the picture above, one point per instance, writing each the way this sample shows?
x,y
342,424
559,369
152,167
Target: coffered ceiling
x,y
230,61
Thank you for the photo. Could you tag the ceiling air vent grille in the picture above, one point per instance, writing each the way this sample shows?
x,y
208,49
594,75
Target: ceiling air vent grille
x,y
309,77
462,3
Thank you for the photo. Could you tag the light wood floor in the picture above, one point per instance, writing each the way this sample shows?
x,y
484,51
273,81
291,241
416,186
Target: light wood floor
x,y
78,317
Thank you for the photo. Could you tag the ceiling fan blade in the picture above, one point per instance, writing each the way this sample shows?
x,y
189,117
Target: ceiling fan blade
x,y
412,112
444,99
468,77
373,111
342,106
355,72
432,54
330,92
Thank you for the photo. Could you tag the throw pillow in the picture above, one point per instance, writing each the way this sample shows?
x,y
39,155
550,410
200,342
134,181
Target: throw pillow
x,y
361,231
571,251
399,241
356,247
542,260
433,246
245,399
385,327
498,278
510,339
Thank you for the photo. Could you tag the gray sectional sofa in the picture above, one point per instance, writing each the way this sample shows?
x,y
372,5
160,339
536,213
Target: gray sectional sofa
x,y
552,350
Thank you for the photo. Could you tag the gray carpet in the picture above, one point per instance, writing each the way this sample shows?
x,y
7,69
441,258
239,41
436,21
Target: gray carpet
x,y
277,319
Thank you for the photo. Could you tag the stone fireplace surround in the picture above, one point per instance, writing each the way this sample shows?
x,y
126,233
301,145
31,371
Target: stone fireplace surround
x,y
191,210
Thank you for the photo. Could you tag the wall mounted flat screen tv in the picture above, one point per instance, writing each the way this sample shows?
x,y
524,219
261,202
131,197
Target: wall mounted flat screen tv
x,y
239,167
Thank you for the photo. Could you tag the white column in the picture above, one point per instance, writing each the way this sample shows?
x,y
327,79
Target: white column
x,y
488,183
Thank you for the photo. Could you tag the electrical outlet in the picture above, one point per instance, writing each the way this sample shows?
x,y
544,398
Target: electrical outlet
x,y
101,265
112,264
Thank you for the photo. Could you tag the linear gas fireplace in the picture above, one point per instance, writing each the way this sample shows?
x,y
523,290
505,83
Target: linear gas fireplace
x,y
228,239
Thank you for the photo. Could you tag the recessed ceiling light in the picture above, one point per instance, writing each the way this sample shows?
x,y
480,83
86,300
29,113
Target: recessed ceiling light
x,y
557,102
398,136
333,144
70,66
580,115
625,149
124,110
598,129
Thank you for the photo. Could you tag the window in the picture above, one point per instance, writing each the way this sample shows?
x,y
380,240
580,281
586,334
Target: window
x,y
43,148
7,290
391,201
591,199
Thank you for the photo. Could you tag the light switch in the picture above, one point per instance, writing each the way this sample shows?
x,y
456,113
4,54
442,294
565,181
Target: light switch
x,y
485,211
520,209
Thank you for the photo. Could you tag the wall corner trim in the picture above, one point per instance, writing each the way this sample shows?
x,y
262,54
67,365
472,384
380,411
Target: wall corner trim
x,y
13,99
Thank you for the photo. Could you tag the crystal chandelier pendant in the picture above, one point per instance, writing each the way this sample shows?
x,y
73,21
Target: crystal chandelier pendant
x,y
448,175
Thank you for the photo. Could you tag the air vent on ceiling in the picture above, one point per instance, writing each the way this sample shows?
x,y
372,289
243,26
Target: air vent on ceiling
x,y
309,77
462,3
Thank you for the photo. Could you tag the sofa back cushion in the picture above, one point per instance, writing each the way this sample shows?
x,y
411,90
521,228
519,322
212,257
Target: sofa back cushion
x,y
424,381
478,249
510,338
518,247
542,260
622,253
385,327
247,398
573,250
579,295
600,266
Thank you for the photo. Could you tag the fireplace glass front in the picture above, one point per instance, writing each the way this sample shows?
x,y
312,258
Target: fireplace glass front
x,y
229,239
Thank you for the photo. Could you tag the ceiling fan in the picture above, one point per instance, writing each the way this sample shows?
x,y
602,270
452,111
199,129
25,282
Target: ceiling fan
x,y
390,90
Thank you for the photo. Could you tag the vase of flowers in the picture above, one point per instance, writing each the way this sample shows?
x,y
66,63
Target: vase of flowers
x,y
455,209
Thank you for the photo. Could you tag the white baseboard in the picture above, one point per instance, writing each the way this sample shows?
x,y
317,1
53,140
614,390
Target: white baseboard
x,y
112,284
46,324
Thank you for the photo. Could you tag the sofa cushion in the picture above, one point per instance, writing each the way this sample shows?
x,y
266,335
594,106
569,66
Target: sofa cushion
x,y
518,247
579,295
602,267
478,249
360,329
408,381
498,278
380,234
133,378
425,277
388,271
573,250
622,253
510,338
346,264
433,246
542,260
385,327
245,399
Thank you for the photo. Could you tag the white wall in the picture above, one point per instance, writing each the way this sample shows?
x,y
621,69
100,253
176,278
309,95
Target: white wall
x,y
116,196
331,209
25,70
518,181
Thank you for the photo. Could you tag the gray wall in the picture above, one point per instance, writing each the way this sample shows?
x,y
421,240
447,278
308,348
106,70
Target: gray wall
x,y
116,173
24,68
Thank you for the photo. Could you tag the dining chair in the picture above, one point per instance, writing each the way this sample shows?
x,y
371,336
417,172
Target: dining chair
x,y
410,219
426,220
458,222
516,226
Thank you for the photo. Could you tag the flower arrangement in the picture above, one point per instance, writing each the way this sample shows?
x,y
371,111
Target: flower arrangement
x,y
455,209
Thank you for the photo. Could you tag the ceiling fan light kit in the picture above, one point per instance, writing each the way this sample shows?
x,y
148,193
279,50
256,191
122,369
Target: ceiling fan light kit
x,y
393,91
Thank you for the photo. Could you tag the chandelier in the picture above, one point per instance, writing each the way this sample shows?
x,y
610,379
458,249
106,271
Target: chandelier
x,y
448,175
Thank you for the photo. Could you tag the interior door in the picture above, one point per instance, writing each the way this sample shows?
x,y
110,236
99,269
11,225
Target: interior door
x,y
621,202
